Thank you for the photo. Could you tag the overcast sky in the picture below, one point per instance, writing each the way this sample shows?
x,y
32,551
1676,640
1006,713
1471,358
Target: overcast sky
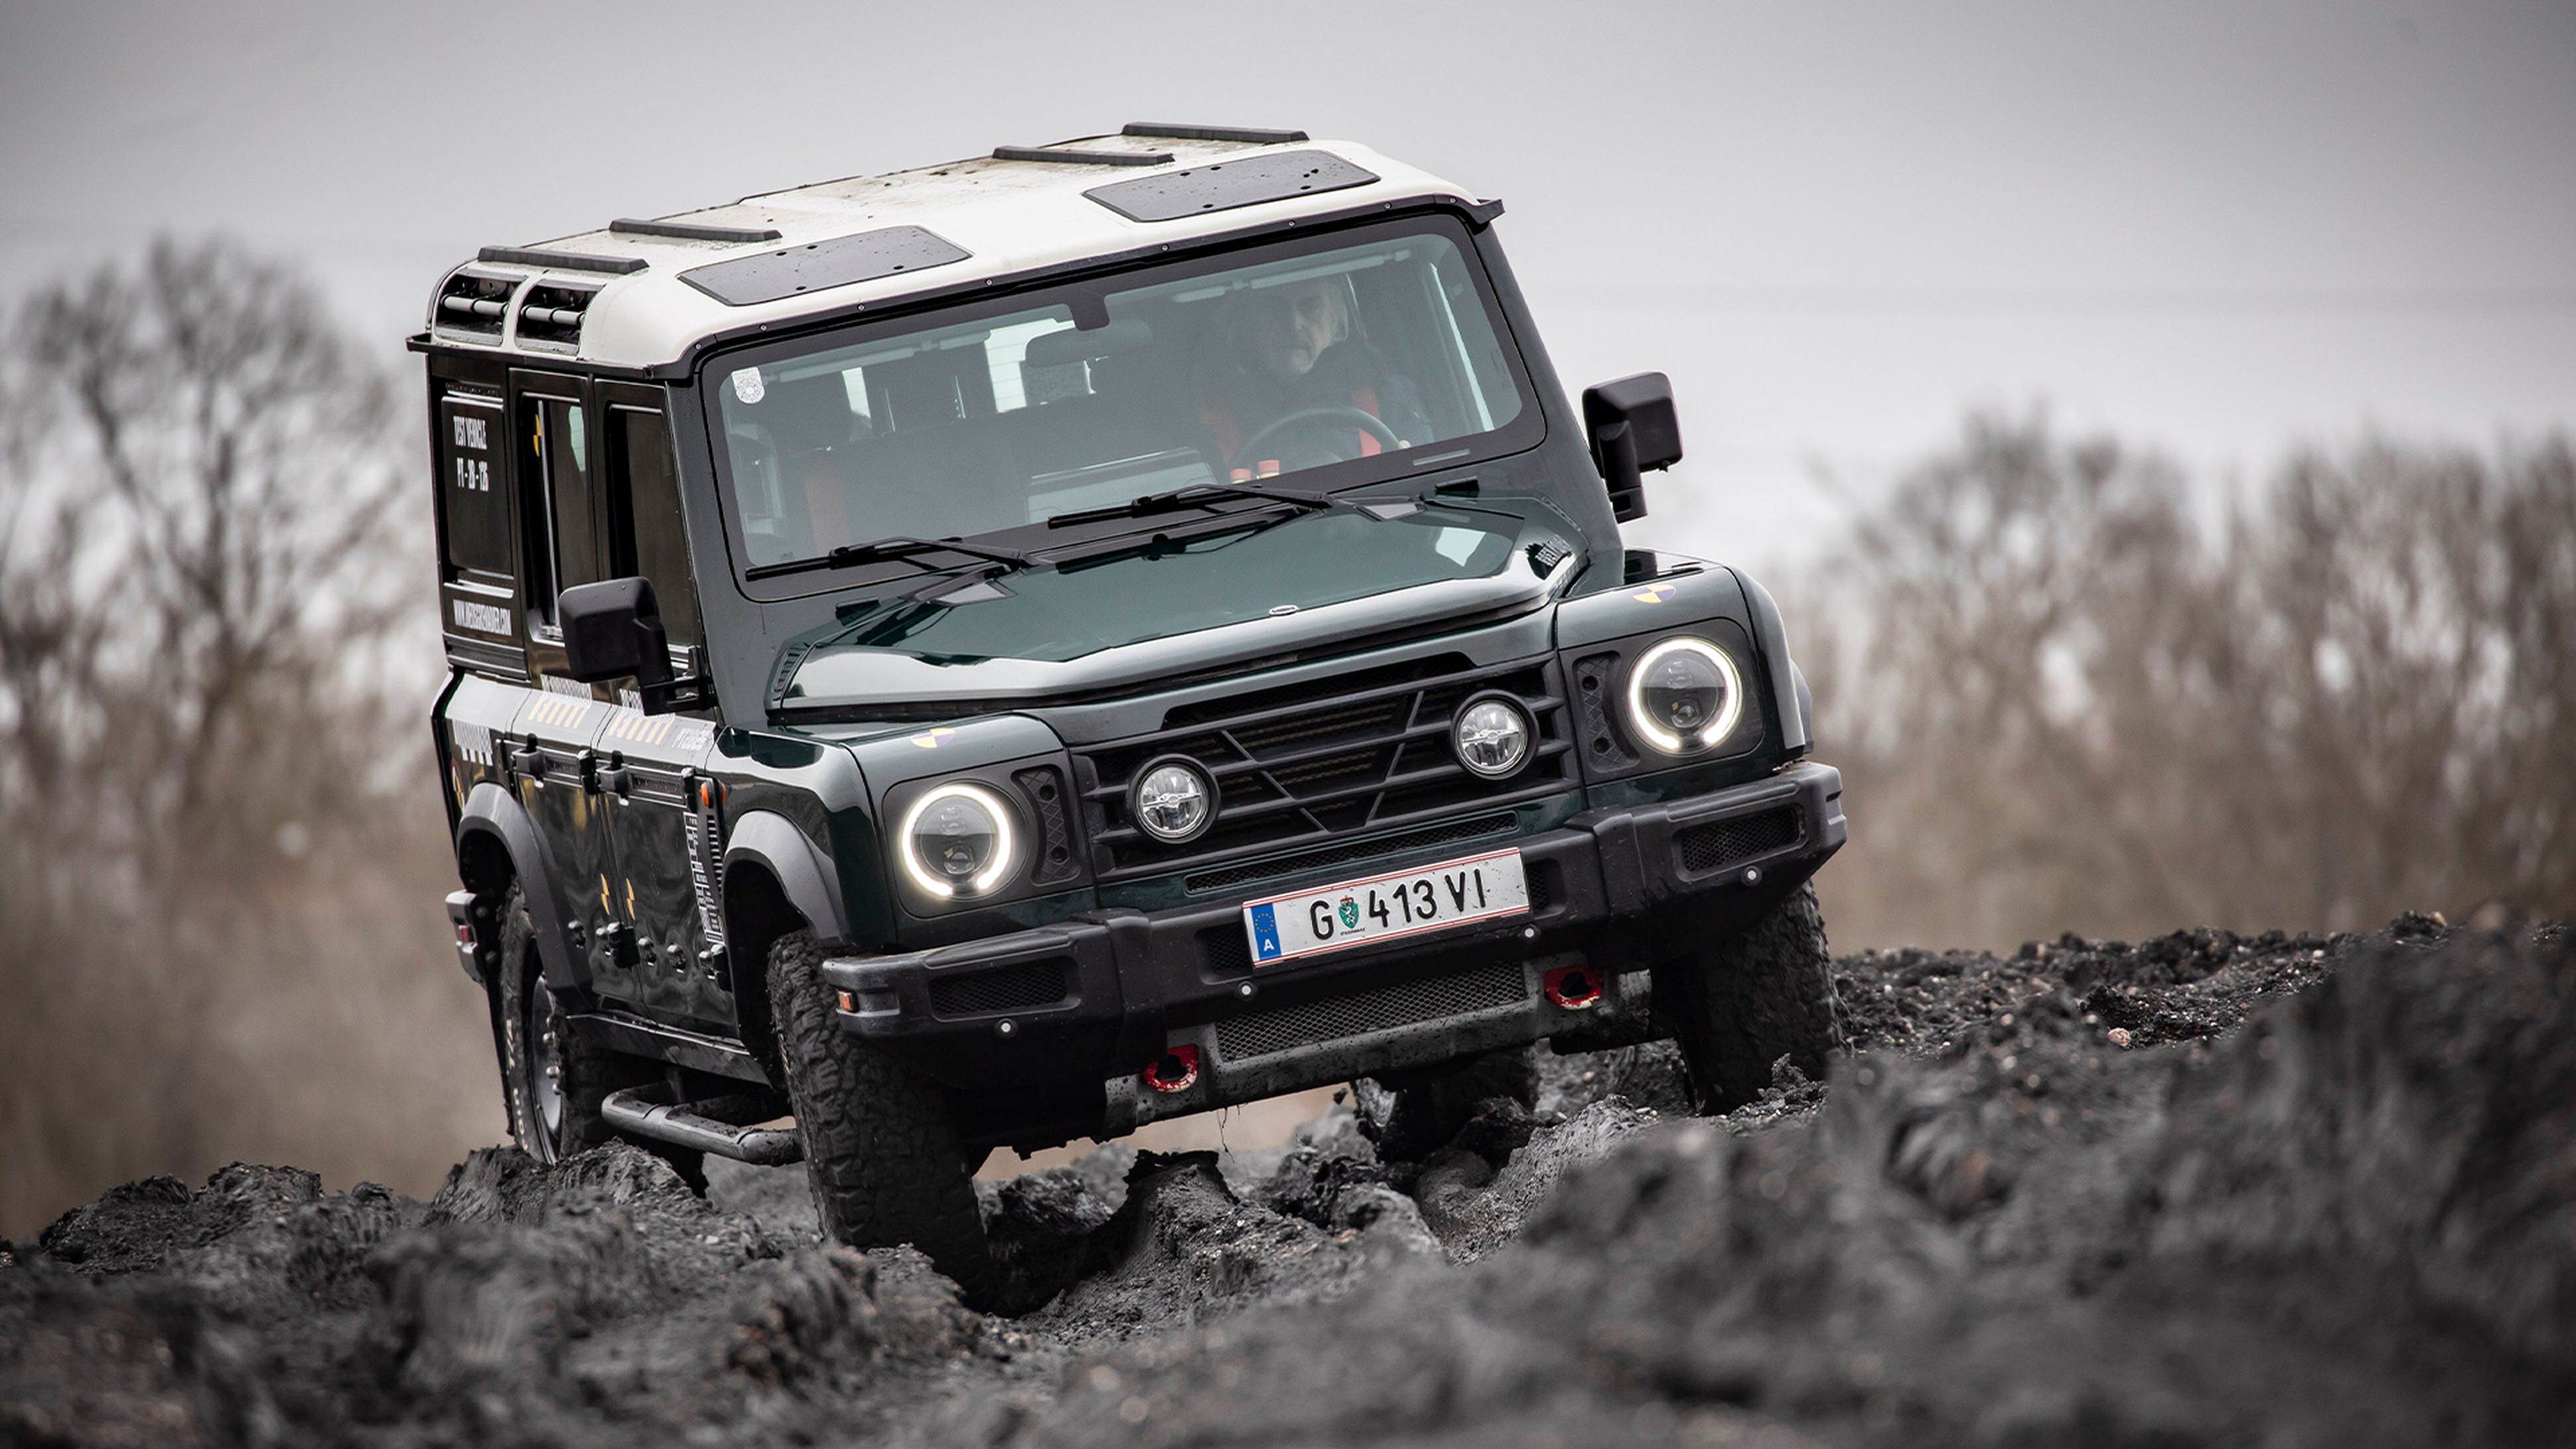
x,y
2222,228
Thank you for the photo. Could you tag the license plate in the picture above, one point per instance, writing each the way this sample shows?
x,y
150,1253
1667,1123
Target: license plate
x,y
1383,907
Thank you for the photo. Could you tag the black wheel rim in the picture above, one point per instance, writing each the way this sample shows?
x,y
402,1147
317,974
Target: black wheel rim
x,y
545,1073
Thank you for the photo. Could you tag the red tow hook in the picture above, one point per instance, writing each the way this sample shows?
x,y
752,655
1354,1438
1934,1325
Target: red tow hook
x,y
1573,987
1176,1070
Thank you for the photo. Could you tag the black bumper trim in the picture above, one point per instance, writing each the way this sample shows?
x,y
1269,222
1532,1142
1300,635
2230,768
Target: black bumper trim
x,y
1142,983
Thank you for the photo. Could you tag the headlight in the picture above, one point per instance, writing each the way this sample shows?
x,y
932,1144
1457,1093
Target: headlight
x,y
958,840
1172,801
1492,737
1684,695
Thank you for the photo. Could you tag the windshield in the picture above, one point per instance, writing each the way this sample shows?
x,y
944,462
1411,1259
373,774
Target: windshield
x,y
1352,359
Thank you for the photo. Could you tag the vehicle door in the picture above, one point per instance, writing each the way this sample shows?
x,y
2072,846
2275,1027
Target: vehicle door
x,y
553,762
665,820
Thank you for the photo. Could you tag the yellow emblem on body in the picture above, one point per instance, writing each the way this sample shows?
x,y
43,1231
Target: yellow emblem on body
x,y
933,739
1654,593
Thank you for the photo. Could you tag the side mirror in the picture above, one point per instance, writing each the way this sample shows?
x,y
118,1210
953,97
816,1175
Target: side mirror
x,y
1632,428
614,629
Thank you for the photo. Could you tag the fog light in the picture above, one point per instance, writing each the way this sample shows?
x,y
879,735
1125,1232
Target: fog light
x,y
1492,737
1173,801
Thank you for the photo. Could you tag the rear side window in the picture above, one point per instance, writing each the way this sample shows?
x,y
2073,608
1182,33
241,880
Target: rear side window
x,y
474,500
646,530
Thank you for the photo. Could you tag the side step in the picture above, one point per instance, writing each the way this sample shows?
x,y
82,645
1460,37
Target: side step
x,y
713,1125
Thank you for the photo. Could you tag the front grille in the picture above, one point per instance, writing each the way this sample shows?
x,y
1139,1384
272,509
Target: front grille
x,y
1016,987
1378,1009
1722,843
1358,850
1313,764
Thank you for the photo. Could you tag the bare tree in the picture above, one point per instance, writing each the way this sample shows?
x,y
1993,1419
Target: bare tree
x,y
207,557
2065,707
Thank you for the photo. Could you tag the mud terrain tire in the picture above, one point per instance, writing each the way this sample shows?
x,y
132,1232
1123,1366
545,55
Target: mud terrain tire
x,y
525,1014
1423,1113
881,1148
1740,1006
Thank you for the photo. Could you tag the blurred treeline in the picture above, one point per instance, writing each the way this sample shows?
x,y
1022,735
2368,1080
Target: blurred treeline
x,y
2068,693
220,839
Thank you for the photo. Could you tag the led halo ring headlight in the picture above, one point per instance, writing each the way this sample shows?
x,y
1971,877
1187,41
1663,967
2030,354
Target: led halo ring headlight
x,y
1492,736
958,840
1684,695
1173,801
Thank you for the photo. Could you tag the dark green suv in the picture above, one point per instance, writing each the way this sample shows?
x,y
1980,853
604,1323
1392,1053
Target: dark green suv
x,y
1012,651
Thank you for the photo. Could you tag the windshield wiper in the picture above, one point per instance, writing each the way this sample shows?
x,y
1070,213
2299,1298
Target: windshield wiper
x,y
889,549
1194,496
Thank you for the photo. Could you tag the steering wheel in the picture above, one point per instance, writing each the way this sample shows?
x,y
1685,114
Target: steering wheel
x,y
1341,413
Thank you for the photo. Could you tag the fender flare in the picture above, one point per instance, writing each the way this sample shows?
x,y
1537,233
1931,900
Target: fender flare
x,y
1772,638
495,814
802,870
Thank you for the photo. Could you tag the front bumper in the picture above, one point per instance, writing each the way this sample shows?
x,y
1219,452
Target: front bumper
x,y
1097,998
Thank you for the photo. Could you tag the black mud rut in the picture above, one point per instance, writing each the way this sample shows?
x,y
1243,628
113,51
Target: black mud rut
x,y
2204,1190
552,1080
881,1147
1414,1115
1739,1006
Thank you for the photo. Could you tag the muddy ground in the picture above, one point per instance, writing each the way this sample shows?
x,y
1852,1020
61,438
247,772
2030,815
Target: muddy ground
x,y
2204,1190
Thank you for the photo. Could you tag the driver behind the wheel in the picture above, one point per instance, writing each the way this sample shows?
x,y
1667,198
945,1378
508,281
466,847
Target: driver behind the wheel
x,y
1290,349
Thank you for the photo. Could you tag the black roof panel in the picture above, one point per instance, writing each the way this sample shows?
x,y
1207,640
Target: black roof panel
x,y
788,271
1224,185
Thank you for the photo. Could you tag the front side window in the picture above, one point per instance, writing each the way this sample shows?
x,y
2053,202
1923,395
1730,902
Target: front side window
x,y
1348,359
647,536
560,502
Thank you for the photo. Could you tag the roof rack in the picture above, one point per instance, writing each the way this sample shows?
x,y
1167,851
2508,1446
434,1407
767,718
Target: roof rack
x,y
1249,135
693,230
574,261
1081,158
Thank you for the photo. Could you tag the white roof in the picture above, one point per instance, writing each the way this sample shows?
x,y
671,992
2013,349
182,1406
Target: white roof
x,y
1010,217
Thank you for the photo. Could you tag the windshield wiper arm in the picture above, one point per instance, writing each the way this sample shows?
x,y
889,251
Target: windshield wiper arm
x,y
1193,496
888,549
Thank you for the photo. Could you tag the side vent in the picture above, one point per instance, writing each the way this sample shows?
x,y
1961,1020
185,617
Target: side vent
x,y
550,316
1596,679
471,305
1045,790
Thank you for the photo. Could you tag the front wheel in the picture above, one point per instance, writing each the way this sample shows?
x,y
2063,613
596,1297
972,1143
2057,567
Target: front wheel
x,y
1737,1006
881,1145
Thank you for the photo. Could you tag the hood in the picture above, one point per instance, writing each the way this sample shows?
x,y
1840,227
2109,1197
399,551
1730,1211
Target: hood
x,y
1276,589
